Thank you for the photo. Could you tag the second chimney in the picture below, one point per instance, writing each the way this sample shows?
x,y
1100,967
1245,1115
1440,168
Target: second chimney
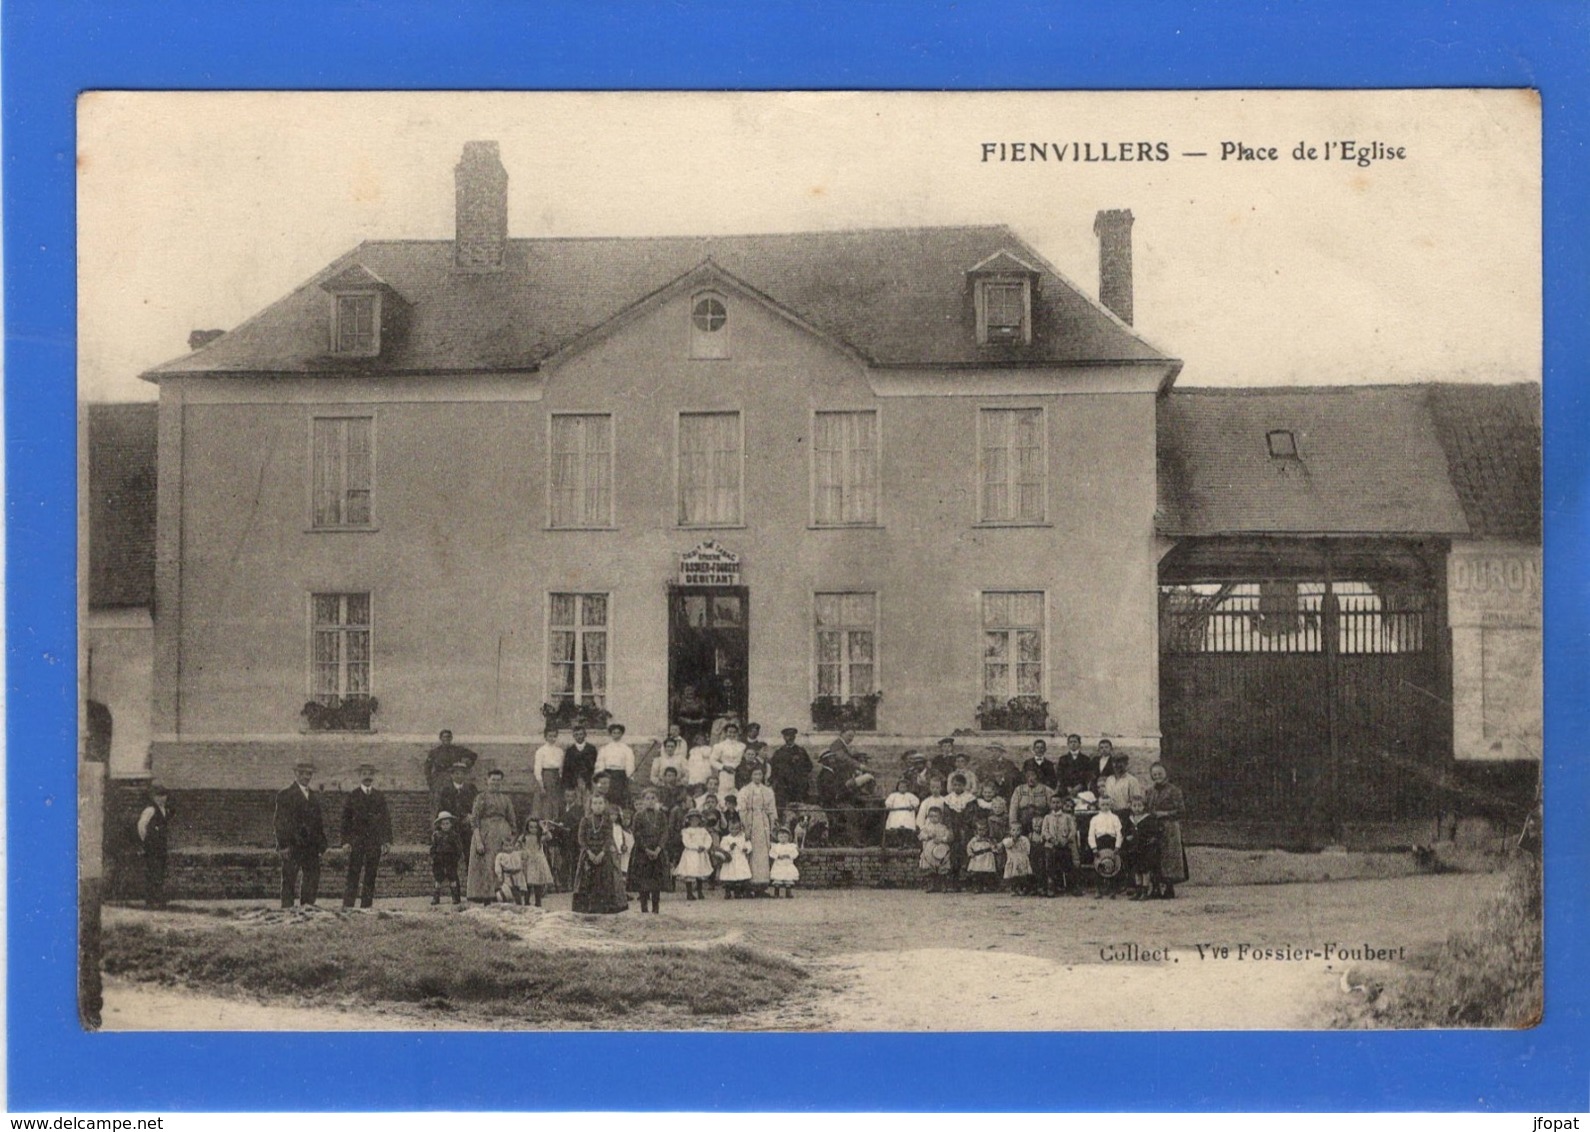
x,y
481,208
1113,227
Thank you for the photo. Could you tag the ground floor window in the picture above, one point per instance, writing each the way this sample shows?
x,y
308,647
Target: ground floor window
x,y
577,650
847,661
1013,661
340,698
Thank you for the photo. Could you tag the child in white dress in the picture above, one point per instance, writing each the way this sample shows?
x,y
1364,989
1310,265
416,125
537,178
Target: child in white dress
x,y
735,872
508,867
783,852
537,871
981,871
695,860
1018,861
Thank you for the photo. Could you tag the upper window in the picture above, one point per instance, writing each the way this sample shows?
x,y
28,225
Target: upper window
x,y
340,648
358,326
1283,444
341,471
845,469
1004,310
1011,466
709,326
1012,645
577,649
582,470
710,470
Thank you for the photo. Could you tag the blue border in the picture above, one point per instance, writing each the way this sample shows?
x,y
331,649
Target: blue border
x,y
55,48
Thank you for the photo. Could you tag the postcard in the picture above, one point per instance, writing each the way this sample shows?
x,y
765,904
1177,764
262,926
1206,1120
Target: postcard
x,y
811,561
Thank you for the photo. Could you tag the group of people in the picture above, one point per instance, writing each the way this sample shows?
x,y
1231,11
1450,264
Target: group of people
x,y
1074,823
726,812
596,831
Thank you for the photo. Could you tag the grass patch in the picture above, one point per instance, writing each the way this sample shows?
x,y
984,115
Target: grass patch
x,y
452,962
1487,976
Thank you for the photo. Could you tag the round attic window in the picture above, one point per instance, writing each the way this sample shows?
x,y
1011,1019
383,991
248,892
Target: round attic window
x,y
709,314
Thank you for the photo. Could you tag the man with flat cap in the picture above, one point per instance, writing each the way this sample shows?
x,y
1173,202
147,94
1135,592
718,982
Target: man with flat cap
x,y
456,795
790,771
300,837
943,763
366,834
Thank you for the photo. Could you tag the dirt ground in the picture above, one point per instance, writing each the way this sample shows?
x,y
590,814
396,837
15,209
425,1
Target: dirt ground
x,y
989,962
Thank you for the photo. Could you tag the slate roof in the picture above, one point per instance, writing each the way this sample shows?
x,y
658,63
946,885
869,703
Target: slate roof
x,y
121,505
1492,438
896,297
1441,459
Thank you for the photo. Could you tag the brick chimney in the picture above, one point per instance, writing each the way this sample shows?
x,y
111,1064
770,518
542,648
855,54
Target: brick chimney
x,y
481,201
1113,227
203,338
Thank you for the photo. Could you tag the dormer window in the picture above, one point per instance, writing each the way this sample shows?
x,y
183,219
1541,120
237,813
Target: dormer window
x,y
709,326
364,310
357,328
1002,287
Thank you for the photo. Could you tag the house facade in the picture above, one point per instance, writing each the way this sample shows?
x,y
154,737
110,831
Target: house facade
x,y
902,479
912,481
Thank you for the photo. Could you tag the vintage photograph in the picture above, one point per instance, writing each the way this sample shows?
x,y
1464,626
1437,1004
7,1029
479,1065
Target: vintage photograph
x,y
810,561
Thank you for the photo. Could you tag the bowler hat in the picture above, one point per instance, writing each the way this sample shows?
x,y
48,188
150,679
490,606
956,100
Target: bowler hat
x,y
789,731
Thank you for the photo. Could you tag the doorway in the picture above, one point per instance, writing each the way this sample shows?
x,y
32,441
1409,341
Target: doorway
x,y
708,653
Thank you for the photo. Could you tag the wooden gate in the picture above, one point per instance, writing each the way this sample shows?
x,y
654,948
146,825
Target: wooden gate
x,y
1309,703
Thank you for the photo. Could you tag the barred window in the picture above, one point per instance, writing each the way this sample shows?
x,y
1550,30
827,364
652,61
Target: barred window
x,y
845,468
577,649
847,626
582,470
340,647
342,471
1011,466
710,449
1012,645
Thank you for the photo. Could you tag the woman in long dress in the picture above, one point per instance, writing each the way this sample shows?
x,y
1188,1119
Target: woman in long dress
x,y
1166,803
598,884
759,813
494,823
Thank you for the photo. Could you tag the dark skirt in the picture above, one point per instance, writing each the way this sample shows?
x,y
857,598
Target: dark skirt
x,y
599,887
1173,855
646,874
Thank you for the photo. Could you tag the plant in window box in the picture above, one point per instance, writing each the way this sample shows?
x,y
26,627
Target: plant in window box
x,y
567,713
858,713
342,713
1023,713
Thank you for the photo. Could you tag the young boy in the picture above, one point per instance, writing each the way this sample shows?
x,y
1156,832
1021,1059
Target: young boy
x,y
1141,847
445,851
1058,831
1104,833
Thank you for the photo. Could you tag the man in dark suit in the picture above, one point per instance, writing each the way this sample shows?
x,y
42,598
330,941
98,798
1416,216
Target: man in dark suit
x,y
1040,762
579,766
366,834
300,837
1075,771
457,796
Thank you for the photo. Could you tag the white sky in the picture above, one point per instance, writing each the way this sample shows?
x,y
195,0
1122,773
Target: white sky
x,y
198,209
